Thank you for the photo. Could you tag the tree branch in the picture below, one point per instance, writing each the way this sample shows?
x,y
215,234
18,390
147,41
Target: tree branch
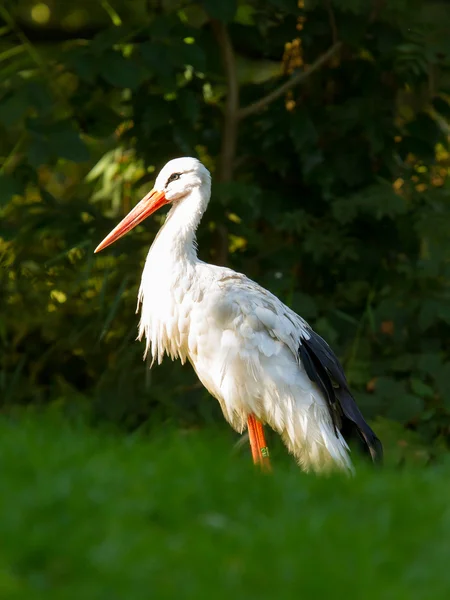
x,y
332,20
251,109
378,6
230,122
229,127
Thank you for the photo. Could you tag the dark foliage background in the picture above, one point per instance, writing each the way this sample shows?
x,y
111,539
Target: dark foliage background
x,y
333,192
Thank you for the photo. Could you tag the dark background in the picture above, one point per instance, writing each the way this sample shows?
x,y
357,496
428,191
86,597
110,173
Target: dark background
x,y
334,194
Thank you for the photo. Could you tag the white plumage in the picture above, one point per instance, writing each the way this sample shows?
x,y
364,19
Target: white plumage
x,y
242,341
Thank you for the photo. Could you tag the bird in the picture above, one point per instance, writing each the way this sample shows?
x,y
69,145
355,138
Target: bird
x,y
261,361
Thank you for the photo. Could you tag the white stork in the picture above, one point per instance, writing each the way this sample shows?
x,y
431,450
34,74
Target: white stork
x,y
262,362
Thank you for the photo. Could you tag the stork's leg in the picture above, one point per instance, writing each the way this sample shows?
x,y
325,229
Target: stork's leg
x,y
260,451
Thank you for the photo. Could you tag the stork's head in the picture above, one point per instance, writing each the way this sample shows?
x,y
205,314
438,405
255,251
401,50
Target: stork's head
x,y
176,180
179,176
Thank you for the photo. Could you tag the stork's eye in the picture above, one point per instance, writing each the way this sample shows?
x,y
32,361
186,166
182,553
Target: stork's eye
x,y
173,177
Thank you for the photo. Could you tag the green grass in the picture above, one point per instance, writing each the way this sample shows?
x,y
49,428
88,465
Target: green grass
x,y
88,514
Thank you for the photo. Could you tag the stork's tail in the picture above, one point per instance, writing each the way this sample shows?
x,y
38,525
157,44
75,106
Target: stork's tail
x,y
353,420
323,367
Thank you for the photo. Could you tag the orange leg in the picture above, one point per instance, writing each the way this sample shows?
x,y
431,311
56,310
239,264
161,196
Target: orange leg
x,y
260,451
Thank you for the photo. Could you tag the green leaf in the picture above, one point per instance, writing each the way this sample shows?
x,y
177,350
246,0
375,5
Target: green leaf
x,y
442,107
428,314
40,97
404,446
120,71
378,200
310,161
421,389
223,10
257,71
389,388
326,330
444,311
55,140
425,129
403,363
302,130
101,121
288,6
38,151
159,58
245,15
405,407
155,115
359,373
107,38
114,306
9,187
442,379
82,64
304,137
68,144
431,364
189,105
195,15
190,54
305,305
13,107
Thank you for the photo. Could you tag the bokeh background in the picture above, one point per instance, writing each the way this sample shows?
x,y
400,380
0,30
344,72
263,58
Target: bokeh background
x,y
333,193
325,124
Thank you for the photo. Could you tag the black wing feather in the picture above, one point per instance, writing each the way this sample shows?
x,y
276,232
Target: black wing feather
x,y
317,373
323,367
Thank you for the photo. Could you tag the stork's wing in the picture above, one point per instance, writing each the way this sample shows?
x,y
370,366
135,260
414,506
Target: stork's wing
x,y
257,305
323,367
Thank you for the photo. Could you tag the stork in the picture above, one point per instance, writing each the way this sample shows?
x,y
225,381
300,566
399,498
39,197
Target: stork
x,y
257,357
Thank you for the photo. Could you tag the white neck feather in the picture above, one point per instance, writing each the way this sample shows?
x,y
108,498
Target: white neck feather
x,y
176,240
169,272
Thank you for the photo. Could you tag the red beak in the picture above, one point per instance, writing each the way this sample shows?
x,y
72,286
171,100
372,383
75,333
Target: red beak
x,y
148,205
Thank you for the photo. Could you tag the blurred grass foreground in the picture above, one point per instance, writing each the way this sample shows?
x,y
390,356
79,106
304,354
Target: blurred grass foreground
x,y
91,514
